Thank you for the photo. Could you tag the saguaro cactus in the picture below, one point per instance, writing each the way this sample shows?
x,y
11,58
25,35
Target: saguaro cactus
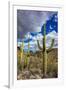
x,y
22,51
27,57
22,47
45,51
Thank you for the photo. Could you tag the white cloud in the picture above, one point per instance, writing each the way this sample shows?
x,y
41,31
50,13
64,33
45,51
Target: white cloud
x,y
49,37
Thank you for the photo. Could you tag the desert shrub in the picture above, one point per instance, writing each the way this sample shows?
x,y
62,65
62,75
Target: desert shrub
x,y
52,69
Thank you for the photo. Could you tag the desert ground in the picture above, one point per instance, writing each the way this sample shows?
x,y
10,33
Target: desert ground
x,y
32,68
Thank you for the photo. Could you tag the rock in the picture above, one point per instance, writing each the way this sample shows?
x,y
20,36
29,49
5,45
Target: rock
x,y
34,70
32,77
19,76
37,77
26,74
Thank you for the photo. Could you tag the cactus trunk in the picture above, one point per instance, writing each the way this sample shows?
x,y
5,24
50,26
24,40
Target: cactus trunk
x,y
44,54
28,55
22,47
44,64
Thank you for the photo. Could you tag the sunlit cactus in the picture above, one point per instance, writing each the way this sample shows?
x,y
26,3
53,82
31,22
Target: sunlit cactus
x,y
45,51
22,52
27,57
22,48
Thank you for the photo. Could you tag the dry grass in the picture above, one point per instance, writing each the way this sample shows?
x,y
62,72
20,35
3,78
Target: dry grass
x,y
34,69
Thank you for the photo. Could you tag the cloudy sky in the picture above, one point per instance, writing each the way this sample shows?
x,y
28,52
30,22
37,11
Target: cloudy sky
x,y
31,21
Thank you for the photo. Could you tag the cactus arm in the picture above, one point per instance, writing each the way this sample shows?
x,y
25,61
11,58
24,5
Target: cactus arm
x,y
39,45
52,43
50,48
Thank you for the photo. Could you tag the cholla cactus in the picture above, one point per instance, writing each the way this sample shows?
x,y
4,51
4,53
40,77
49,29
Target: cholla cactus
x,y
45,51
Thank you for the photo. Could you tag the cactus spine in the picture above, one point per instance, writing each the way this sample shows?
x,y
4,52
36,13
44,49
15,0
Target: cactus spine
x,y
45,51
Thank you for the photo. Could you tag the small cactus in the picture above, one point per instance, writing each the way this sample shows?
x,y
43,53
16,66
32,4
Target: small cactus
x,y
45,51
27,57
22,47
22,51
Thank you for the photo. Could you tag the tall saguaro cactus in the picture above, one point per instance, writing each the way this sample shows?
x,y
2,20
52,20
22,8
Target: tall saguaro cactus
x,y
45,51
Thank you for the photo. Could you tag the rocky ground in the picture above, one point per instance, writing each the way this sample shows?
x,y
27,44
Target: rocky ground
x,y
34,70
